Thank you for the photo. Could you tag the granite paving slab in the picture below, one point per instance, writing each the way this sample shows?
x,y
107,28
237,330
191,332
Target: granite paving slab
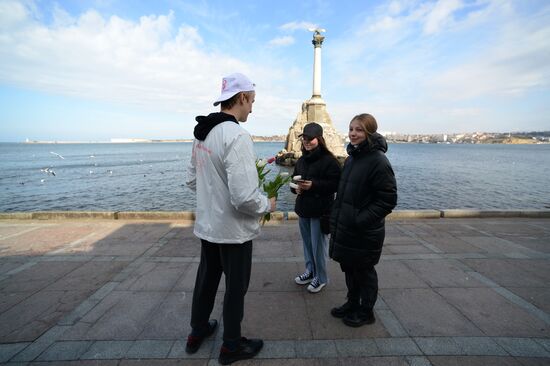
x,y
121,315
442,273
505,272
492,313
161,362
405,249
45,238
269,276
171,320
395,274
87,276
37,277
151,276
186,282
277,247
423,312
451,244
473,361
36,314
374,361
261,308
180,247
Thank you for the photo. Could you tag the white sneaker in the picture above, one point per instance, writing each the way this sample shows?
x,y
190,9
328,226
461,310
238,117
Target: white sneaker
x,y
315,286
304,278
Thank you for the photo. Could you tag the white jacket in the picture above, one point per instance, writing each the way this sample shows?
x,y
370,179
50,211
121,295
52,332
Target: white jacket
x,y
224,176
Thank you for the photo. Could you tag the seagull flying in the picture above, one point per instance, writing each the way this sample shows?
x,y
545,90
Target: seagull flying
x,y
48,171
56,154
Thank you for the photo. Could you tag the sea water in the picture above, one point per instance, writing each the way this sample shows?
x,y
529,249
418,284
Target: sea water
x,y
151,176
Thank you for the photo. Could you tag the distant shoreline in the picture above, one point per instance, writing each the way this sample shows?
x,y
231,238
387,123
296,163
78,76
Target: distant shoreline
x,y
525,142
515,138
111,142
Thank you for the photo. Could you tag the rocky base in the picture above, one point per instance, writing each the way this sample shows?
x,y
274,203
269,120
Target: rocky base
x,y
286,158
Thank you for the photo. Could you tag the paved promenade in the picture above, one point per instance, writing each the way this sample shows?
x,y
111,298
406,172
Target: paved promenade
x,y
118,292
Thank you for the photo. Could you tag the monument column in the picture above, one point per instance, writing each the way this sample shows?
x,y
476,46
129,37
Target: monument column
x,y
313,110
317,42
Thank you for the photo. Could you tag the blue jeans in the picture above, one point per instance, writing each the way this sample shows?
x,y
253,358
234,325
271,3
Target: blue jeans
x,y
315,247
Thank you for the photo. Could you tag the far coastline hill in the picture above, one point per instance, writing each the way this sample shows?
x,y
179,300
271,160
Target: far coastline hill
x,y
535,137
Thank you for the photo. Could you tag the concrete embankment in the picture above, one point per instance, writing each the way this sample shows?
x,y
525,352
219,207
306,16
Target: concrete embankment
x,y
276,216
117,289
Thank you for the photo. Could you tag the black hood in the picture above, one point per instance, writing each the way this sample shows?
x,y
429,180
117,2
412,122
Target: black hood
x,y
207,123
375,142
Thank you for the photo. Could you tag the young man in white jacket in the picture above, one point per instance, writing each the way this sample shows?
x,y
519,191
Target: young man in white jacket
x,y
229,205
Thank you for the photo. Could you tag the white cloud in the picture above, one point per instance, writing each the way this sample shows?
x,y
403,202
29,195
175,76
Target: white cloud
x,y
514,64
282,41
147,62
441,15
446,62
151,63
12,13
292,26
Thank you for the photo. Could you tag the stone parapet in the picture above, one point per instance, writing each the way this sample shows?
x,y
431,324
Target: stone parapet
x,y
473,213
414,214
155,215
275,216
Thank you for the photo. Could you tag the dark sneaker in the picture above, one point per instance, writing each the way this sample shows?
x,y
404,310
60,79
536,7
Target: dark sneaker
x,y
358,318
246,349
342,311
304,278
315,286
194,342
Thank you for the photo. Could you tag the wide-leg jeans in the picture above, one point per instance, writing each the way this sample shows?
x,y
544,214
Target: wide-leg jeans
x,y
315,247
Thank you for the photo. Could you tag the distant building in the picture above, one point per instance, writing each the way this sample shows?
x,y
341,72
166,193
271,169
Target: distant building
x,y
121,141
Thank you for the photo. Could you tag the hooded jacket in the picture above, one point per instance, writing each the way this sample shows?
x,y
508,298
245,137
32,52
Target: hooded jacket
x,y
324,172
223,174
367,193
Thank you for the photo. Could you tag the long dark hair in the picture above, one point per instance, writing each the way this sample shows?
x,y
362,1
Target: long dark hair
x,y
322,145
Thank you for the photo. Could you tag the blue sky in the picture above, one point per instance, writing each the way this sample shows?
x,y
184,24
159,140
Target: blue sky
x,y
95,70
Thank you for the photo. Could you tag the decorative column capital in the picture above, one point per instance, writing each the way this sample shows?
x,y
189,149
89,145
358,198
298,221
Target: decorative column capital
x,y
317,40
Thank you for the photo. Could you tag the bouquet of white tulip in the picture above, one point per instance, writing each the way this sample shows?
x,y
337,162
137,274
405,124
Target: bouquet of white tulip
x,y
270,187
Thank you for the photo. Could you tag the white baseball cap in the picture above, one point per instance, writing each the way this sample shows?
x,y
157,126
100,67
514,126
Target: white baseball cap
x,y
233,84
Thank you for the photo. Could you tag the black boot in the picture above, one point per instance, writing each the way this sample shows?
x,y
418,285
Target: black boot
x,y
342,311
247,348
359,317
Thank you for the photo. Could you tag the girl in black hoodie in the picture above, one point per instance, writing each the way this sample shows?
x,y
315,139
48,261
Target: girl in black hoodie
x,y
320,172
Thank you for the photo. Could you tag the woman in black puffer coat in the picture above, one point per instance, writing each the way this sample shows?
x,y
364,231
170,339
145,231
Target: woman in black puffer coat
x,y
320,173
367,193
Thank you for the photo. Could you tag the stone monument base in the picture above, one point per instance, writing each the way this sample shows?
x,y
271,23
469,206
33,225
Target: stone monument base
x,y
313,110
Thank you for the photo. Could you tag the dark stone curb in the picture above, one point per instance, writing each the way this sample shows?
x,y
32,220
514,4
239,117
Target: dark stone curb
x,y
415,348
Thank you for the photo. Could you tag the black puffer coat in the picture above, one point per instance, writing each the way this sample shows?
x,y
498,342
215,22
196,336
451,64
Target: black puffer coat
x,y
367,192
323,170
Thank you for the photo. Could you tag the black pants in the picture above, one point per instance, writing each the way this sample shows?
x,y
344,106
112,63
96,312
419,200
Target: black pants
x,y
235,261
362,283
